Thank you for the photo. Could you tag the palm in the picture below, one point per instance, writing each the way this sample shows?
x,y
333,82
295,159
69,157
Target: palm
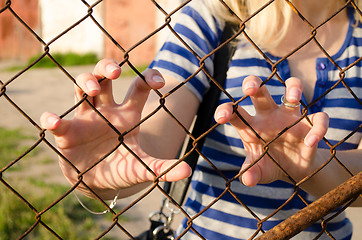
x,y
105,154
288,149
269,150
89,140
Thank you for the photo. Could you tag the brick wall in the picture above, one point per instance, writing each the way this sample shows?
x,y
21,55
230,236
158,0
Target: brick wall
x,y
16,43
129,22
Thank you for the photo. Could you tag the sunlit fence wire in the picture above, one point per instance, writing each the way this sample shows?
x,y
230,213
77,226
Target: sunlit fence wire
x,y
339,198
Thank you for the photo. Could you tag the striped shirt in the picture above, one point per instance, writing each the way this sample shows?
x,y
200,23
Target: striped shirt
x,y
227,218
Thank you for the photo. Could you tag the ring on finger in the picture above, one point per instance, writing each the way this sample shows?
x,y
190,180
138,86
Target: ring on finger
x,y
288,104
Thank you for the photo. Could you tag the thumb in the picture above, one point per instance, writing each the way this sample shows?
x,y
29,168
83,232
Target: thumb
x,y
169,170
252,175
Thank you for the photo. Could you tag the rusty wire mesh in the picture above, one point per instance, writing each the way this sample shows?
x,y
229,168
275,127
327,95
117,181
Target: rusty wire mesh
x,y
341,197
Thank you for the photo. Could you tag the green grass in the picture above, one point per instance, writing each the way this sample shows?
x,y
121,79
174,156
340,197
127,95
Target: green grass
x,y
65,59
128,72
74,59
12,145
66,218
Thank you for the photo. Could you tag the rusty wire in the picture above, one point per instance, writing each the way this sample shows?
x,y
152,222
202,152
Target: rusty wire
x,y
339,197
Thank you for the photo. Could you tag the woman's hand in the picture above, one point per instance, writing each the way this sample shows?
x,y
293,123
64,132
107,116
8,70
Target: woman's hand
x,y
87,140
294,150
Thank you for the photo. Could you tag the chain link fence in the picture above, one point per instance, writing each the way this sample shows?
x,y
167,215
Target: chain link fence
x,y
340,198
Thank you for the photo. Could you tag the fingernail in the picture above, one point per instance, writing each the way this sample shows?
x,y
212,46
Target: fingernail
x,y
111,68
92,86
294,95
311,141
249,85
220,115
158,79
52,120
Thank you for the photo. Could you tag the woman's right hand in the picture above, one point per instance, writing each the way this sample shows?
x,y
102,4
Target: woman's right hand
x,y
86,139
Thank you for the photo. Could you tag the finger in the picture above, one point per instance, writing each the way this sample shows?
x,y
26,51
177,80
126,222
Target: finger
x,y
293,94
53,123
320,122
105,96
260,96
225,113
253,173
89,82
86,83
107,68
251,177
139,90
180,171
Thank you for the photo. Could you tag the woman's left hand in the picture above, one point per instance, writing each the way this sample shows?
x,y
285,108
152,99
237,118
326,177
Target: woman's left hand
x,y
294,150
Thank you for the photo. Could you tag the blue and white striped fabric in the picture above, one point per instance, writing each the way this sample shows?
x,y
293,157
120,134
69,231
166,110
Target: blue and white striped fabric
x,y
227,219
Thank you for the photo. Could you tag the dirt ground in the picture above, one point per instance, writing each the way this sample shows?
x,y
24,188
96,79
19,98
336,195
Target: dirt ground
x,y
41,90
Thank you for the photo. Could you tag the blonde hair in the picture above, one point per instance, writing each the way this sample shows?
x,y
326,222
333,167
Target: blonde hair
x,y
277,15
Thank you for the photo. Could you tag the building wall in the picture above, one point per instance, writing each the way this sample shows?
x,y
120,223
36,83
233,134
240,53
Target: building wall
x,y
16,42
129,22
168,6
58,15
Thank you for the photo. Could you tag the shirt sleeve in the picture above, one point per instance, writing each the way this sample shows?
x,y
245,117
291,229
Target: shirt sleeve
x,y
199,31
